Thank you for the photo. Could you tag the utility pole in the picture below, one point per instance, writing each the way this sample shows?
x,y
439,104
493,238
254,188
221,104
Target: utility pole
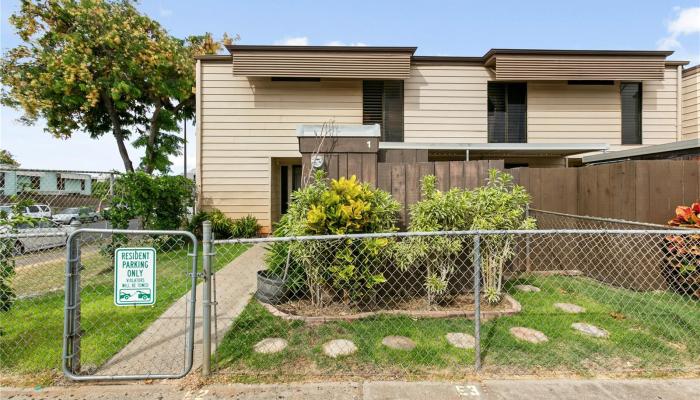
x,y
184,152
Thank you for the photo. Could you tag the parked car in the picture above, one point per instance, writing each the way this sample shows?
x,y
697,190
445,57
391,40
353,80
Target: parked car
x,y
34,211
82,214
45,234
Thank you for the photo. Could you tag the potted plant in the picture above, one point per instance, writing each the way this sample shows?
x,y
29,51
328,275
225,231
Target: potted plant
x,y
682,253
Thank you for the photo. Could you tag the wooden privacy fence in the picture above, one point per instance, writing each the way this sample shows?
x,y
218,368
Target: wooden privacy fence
x,y
403,180
644,190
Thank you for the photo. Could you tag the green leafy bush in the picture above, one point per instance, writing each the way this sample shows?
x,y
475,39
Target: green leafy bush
x,y
499,205
160,202
277,256
351,269
224,227
246,227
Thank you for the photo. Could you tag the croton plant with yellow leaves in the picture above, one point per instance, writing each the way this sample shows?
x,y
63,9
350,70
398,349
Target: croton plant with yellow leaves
x,y
348,270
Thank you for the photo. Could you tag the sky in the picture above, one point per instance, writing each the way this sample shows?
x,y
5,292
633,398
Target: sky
x,y
436,27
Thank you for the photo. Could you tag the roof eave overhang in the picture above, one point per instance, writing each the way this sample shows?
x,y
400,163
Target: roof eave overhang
x,y
548,149
642,151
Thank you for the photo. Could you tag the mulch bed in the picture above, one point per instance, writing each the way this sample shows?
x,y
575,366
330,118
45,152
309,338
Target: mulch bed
x,y
459,306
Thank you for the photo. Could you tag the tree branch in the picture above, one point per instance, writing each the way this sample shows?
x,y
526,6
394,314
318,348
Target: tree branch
x,y
117,131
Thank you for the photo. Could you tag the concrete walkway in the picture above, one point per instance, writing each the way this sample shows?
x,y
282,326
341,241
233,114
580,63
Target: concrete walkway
x,y
564,389
160,349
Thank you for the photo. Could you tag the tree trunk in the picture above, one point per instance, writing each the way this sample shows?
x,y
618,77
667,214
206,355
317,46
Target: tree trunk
x,y
117,132
154,129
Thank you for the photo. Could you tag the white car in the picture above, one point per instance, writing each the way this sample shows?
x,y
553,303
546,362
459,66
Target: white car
x,y
34,211
40,235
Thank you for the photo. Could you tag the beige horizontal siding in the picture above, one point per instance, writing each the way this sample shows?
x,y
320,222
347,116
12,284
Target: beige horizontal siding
x,y
245,122
561,113
659,125
572,67
445,104
690,115
368,65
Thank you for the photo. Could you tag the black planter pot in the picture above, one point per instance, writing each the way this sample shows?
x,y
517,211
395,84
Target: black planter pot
x,y
271,288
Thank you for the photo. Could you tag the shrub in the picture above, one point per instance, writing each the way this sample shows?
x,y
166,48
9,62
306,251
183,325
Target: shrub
x,y
682,267
277,256
499,205
342,206
224,227
246,227
159,201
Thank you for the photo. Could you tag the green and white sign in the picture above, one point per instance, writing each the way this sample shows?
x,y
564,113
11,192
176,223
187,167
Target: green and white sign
x,y
135,276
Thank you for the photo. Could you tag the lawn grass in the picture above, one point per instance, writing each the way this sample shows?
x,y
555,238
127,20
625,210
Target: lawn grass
x,y
648,331
32,330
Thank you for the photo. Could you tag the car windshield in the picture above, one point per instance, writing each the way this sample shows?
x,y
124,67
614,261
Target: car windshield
x,y
70,211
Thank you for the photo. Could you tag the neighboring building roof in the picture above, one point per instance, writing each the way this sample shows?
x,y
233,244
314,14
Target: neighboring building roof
x,y
643,151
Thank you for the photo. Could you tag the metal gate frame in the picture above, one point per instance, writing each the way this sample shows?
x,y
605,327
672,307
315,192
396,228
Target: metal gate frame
x,y
71,340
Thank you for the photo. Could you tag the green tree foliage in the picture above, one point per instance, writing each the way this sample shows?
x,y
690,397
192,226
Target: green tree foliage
x,y
6,158
100,66
160,202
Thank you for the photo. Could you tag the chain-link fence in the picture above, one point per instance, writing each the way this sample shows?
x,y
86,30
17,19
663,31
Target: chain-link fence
x,y
129,304
546,302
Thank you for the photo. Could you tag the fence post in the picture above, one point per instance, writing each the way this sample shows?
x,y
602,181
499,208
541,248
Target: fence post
x,y
528,266
477,302
206,298
76,333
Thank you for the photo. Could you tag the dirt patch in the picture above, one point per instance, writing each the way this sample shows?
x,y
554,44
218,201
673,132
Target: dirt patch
x,y
459,306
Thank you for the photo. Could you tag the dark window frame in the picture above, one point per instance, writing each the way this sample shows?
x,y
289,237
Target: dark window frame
x,y
383,103
627,137
492,118
2,180
60,183
83,184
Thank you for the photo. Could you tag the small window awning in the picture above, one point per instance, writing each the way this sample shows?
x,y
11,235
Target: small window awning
x,y
561,65
505,149
359,62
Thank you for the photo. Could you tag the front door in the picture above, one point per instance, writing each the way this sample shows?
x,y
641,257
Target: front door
x,y
290,180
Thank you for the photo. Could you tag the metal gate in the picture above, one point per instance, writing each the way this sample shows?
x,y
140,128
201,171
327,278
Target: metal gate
x,y
129,304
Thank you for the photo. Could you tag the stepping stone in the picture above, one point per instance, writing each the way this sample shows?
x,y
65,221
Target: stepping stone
x,y
270,346
399,343
590,330
460,340
570,308
527,288
338,348
528,335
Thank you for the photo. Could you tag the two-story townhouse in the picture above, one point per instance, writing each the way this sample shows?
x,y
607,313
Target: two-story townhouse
x,y
527,107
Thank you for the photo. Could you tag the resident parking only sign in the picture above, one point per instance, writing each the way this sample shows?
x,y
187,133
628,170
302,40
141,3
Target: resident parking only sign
x,y
135,276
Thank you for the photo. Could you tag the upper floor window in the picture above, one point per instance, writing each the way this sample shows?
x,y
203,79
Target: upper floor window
x,y
60,183
631,102
2,180
507,112
82,184
382,103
